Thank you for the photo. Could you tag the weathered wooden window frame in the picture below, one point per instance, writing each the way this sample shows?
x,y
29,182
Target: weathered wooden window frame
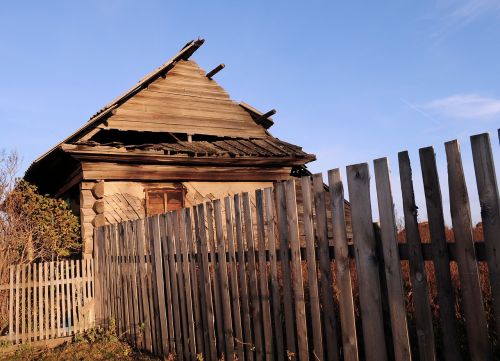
x,y
165,191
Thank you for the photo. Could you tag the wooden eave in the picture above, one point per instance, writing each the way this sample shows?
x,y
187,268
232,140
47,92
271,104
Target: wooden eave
x,y
122,155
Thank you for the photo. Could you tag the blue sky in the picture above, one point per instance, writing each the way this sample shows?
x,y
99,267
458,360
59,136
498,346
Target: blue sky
x,y
352,81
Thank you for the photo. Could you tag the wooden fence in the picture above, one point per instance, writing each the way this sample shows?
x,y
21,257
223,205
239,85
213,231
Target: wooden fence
x,y
245,281
50,300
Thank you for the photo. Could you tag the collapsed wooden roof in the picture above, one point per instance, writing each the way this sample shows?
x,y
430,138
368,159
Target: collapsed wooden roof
x,y
176,113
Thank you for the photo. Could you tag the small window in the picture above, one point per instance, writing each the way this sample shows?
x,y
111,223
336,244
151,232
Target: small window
x,y
163,200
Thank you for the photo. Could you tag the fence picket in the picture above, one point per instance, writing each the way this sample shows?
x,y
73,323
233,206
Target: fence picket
x,y
180,284
441,259
285,268
29,298
263,278
203,252
201,285
215,279
224,282
63,278
275,287
312,273
17,314
388,233
245,307
11,303
185,237
255,309
156,252
235,295
166,276
175,292
423,316
41,334
23,303
466,258
47,309
367,264
326,278
36,287
191,244
490,212
144,292
57,279
296,267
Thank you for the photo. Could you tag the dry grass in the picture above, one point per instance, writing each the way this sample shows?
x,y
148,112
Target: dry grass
x,y
94,344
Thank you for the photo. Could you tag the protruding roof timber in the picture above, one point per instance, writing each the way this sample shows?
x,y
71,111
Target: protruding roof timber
x,y
260,118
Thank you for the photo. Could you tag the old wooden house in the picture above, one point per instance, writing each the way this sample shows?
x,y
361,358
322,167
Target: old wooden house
x,y
175,139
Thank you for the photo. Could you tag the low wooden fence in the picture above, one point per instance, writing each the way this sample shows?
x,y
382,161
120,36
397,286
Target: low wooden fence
x,y
50,300
208,282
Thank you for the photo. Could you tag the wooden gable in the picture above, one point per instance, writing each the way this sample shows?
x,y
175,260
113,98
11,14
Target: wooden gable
x,y
185,101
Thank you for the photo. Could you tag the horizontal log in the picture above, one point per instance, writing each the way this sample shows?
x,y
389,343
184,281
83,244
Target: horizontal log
x,y
152,172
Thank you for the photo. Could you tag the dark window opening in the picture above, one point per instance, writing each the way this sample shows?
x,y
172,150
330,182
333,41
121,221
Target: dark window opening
x,y
130,137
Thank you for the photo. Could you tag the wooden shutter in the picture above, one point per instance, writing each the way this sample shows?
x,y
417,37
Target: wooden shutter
x,y
163,200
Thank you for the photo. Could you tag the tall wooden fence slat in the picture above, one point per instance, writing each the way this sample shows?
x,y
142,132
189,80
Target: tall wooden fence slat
x,y
489,200
180,283
245,307
158,264
201,284
285,269
312,273
394,279
144,292
296,267
198,321
367,264
255,308
202,246
275,287
224,282
441,259
342,267
263,278
219,327
166,276
186,259
418,275
325,270
235,294
466,258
